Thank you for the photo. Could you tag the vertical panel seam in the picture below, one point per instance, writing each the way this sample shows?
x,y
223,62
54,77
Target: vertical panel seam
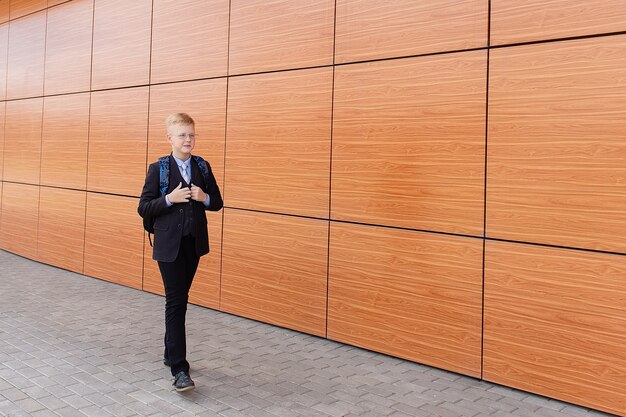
x,y
219,293
482,327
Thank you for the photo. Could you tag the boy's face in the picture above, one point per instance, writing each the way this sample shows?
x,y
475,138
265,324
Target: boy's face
x,y
183,139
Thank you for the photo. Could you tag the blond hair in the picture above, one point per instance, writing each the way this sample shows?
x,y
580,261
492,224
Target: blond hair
x,y
179,119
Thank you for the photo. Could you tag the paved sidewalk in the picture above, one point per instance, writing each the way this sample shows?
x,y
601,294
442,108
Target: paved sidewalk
x,y
77,346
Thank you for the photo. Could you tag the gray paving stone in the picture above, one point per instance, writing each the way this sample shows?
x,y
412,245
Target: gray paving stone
x,y
85,347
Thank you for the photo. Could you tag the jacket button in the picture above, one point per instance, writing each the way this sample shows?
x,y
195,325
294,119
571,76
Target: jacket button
x,y
179,226
181,210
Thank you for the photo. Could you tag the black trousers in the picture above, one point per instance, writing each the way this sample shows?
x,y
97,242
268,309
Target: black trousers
x,y
177,278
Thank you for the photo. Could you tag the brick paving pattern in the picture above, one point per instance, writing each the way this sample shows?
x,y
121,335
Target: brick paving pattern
x,y
71,345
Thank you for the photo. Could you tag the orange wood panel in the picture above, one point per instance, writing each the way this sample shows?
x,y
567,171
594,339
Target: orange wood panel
x,y
2,114
268,35
20,8
205,101
22,140
515,21
121,43
556,150
4,54
4,10
408,143
55,2
554,323
18,223
274,269
189,39
68,47
205,290
278,142
371,29
64,141
1,239
413,295
61,235
27,42
113,239
118,134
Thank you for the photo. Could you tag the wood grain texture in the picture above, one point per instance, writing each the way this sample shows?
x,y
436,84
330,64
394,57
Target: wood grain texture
x,y
4,55
278,142
55,2
371,29
22,140
205,101
113,240
268,35
274,269
4,10
118,133
18,223
189,39
27,42
205,290
64,143
557,122
408,143
2,116
19,8
554,323
61,236
68,47
408,294
121,43
532,20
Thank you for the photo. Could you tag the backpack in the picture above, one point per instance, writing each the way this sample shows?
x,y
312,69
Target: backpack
x,y
164,183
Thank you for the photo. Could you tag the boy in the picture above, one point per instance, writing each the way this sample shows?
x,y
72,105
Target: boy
x,y
180,234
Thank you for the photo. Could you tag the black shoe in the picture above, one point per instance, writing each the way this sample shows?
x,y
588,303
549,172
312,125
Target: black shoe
x,y
183,382
166,362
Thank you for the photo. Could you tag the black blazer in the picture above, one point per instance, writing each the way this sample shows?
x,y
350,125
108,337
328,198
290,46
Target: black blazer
x,y
168,222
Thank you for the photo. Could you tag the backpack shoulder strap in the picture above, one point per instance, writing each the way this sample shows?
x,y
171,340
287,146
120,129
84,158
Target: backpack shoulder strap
x,y
164,174
204,168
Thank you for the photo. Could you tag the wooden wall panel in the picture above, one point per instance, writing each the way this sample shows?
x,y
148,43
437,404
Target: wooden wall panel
x,y
278,142
2,115
189,39
68,47
64,141
55,2
205,290
4,10
19,8
18,224
61,235
27,44
274,269
408,143
205,101
4,55
554,323
118,134
413,295
268,35
121,43
556,150
515,21
371,29
22,151
113,239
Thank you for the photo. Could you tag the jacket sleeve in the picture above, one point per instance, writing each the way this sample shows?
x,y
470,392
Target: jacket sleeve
x,y
213,191
151,203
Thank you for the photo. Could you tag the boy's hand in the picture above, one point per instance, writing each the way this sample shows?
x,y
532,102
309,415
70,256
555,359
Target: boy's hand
x,y
179,194
197,194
